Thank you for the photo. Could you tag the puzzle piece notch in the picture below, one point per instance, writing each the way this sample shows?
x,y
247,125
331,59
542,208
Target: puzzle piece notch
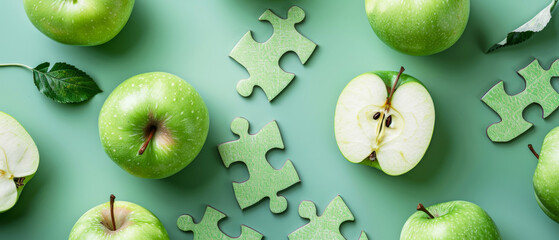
x,y
510,108
326,226
261,60
264,181
208,227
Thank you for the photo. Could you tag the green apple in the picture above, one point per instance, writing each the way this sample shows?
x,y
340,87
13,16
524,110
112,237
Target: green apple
x,y
19,160
546,176
153,125
384,119
118,220
455,220
79,22
418,27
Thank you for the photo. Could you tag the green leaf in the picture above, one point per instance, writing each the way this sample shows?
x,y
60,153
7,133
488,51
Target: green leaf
x,y
64,83
526,31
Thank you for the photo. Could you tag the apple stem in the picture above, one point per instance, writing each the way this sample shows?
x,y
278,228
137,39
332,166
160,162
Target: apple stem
x,y
16,65
146,143
113,211
533,151
389,99
420,207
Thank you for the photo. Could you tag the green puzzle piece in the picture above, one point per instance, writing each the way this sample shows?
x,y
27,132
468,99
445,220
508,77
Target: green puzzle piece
x,y
264,181
326,226
538,90
261,60
208,228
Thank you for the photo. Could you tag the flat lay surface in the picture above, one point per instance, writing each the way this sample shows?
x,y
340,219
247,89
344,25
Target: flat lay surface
x,y
193,40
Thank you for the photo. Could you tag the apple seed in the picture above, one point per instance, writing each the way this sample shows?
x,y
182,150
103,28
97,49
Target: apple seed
x,y
388,121
19,181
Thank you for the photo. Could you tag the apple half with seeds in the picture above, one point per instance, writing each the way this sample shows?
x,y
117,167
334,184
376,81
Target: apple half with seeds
x,y
19,160
385,119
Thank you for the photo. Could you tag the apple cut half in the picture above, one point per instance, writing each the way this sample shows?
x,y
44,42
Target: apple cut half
x,y
384,119
19,160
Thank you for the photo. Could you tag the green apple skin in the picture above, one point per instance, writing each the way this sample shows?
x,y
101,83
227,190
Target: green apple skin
x,y
157,99
20,158
418,27
455,220
79,22
133,223
546,176
389,78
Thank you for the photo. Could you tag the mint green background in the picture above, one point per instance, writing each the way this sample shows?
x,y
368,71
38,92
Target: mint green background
x,y
193,39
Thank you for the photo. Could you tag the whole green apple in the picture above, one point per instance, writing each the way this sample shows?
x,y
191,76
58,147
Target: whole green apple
x,y
79,22
153,125
455,220
119,221
384,119
418,27
19,160
546,176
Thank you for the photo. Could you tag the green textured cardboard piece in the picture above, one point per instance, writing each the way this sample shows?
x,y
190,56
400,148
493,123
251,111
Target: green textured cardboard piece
x,y
264,181
325,226
538,90
261,60
208,227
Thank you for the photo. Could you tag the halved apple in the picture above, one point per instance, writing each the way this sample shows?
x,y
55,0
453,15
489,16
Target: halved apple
x,y
19,159
385,119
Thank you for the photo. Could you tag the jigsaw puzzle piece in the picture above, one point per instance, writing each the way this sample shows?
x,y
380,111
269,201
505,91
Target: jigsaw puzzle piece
x,y
261,60
326,226
509,108
264,180
258,187
208,227
301,45
363,236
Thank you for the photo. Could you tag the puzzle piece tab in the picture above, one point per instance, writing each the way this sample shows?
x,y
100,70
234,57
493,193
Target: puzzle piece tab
x,y
538,90
261,60
264,180
326,226
208,228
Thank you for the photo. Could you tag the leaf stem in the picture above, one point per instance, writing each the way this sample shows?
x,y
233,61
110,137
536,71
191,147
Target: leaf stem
x,y
16,65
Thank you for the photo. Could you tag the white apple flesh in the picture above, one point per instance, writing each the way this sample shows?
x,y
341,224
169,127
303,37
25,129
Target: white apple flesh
x,y
19,160
384,128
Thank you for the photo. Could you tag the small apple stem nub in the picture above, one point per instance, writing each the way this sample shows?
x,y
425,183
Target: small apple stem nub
x,y
146,143
420,207
113,211
533,151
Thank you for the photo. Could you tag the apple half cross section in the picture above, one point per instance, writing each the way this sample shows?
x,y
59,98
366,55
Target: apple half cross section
x,y
19,160
385,119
